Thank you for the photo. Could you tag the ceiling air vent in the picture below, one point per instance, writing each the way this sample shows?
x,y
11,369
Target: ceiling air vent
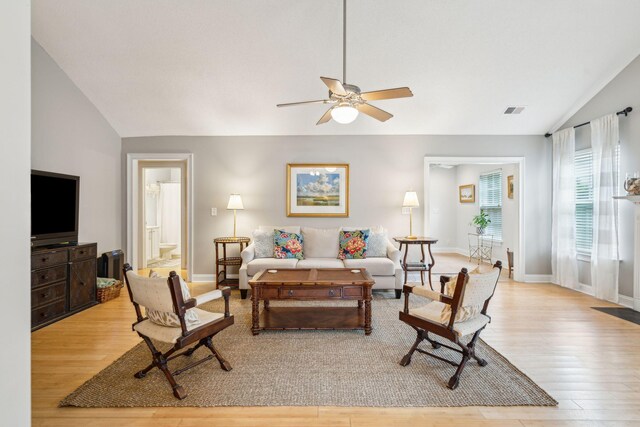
x,y
514,110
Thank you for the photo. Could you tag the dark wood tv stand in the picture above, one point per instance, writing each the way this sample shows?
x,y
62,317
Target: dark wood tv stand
x,y
63,282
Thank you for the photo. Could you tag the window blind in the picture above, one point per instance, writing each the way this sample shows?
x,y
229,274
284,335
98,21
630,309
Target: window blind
x,y
490,193
584,197
584,200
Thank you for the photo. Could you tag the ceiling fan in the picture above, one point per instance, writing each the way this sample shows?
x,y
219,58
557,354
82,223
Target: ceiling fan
x,y
347,99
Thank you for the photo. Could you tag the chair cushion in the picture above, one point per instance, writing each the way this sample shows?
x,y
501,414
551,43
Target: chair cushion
x,y
433,312
320,263
171,319
258,264
320,242
263,243
353,244
287,245
171,334
375,266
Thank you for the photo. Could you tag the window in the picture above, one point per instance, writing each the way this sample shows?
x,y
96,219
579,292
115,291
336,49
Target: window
x,y
490,193
584,197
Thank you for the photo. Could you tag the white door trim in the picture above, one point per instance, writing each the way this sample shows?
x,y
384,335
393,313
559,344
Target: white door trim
x,y
519,257
133,206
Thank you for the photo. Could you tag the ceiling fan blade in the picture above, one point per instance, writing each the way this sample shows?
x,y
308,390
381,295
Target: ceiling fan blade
x,y
325,117
321,101
334,86
399,92
374,112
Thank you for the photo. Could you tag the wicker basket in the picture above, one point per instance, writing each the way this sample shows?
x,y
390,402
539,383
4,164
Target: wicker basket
x,y
110,292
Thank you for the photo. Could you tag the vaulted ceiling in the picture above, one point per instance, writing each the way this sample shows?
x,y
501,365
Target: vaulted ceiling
x,y
216,67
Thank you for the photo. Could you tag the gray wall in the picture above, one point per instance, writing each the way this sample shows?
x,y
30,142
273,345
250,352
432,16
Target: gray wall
x,y
69,135
15,125
623,91
382,169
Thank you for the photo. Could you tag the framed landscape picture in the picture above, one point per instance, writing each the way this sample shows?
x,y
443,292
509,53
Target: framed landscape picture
x,y
467,193
318,190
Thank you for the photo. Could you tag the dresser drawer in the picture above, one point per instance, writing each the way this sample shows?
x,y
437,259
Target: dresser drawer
x,y
82,252
48,259
309,292
47,312
48,294
268,293
48,275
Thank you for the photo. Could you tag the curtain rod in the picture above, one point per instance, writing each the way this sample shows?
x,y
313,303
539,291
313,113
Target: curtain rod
x,y
625,112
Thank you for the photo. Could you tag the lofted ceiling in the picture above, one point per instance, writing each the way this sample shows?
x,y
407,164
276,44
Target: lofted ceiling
x,y
216,67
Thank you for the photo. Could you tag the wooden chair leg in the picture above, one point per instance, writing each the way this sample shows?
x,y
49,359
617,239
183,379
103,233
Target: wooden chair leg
x,y
407,358
455,379
433,343
160,361
223,363
472,349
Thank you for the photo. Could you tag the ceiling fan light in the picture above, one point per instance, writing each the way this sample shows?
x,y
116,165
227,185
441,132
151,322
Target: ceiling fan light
x,y
344,113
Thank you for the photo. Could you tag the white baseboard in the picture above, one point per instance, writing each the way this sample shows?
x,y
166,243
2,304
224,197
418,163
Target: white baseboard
x,y
537,278
625,301
450,250
200,278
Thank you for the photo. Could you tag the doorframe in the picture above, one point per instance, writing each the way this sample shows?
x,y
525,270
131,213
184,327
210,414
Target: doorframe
x,y
133,202
519,261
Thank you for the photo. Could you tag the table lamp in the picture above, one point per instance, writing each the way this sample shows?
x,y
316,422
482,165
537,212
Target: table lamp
x,y
410,201
235,203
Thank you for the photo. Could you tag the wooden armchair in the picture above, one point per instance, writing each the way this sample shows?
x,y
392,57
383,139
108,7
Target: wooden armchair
x,y
452,315
166,296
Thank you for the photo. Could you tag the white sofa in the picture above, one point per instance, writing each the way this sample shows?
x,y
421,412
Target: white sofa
x,y
320,249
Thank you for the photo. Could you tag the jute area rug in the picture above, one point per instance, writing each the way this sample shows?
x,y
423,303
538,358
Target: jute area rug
x,y
313,368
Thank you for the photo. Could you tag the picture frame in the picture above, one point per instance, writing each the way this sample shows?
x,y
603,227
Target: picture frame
x,y
510,186
317,190
467,193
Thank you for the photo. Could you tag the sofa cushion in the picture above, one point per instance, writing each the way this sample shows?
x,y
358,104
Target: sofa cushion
x,y
375,266
377,244
287,245
269,263
320,242
320,263
353,244
263,243
287,228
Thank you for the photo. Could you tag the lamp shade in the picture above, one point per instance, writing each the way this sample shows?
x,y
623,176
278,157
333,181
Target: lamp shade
x,y
235,202
344,113
410,200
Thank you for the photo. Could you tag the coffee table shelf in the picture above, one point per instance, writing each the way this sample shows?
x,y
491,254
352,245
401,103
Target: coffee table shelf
x,y
281,318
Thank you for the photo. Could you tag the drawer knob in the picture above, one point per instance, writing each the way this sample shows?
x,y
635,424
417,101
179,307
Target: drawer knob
x,y
331,292
45,259
44,294
82,283
43,314
43,277
290,292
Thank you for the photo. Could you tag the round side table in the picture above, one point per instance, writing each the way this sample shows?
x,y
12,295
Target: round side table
x,y
421,266
224,261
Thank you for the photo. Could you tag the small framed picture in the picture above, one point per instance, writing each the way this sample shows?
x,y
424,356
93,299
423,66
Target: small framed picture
x,y
318,190
510,186
467,193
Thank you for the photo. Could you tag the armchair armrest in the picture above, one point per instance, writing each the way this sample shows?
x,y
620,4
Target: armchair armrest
x,y
393,253
423,292
248,254
208,296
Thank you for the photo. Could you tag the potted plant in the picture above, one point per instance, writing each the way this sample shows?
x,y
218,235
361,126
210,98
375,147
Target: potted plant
x,y
481,221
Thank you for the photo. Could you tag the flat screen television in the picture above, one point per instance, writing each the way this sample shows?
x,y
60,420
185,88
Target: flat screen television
x,y
54,208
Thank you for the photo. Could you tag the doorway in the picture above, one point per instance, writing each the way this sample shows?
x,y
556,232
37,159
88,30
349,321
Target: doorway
x,y
160,211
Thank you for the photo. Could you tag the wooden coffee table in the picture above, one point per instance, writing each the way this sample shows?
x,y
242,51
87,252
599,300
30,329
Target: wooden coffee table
x,y
311,284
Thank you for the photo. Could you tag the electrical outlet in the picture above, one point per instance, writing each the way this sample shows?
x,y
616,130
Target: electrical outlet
x,y
406,211
214,211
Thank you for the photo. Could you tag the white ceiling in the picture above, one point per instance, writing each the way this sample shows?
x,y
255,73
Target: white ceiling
x,y
215,67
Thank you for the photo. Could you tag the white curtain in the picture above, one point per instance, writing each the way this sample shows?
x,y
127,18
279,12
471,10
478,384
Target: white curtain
x,y
564,263
170,212
604,252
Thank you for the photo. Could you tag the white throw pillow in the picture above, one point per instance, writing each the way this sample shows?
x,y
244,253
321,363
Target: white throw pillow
x,y
172,320
287,228
377,244
263,243
320,242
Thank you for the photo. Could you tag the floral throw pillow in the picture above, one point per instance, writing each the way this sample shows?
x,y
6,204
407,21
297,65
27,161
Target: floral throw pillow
x,y
287,245
353,244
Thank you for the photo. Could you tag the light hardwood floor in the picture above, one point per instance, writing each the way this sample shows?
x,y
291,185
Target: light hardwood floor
x,y
589,361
